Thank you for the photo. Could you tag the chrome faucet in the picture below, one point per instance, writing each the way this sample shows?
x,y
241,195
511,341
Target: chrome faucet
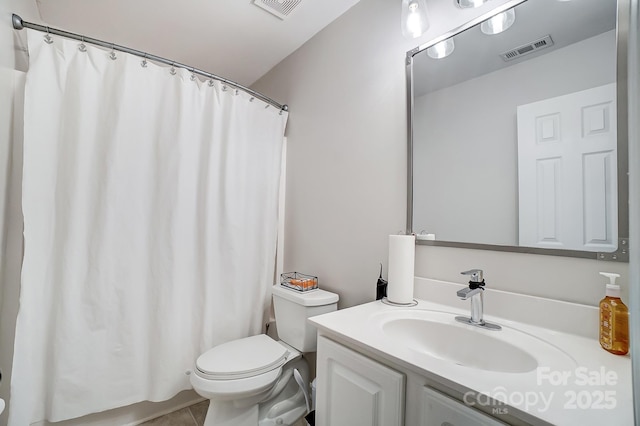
x,y
475,292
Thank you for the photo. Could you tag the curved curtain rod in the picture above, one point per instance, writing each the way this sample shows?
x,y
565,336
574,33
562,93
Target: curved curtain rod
x,y
19,24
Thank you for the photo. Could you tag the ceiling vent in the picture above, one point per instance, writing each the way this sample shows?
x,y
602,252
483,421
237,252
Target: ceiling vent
x,y
525,49
279,8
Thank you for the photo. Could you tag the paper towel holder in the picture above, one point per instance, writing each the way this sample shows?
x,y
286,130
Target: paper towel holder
x,y
401,271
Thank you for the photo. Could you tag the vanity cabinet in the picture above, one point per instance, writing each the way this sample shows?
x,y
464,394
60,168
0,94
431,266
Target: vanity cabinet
x,y
354,390
382,365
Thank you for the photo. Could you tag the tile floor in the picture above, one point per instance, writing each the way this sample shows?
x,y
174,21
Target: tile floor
x,y
190,416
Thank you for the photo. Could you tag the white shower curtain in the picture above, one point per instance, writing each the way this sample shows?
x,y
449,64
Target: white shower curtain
x,y
150,222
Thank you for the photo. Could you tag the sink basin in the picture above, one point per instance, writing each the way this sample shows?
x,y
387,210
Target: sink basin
x,y
438,335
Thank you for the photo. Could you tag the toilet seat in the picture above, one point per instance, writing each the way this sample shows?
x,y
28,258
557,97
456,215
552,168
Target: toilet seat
x,y
242,367
242,358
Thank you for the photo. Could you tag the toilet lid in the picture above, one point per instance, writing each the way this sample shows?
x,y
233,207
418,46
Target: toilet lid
x,y
242,358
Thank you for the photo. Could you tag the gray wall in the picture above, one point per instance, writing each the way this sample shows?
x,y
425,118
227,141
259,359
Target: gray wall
x,y
474,125
346,162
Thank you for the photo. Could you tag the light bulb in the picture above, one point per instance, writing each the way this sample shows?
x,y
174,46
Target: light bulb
x,y
499,23
414,18
442,49
414,24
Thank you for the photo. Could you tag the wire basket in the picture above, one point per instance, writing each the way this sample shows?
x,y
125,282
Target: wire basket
x,y
298,281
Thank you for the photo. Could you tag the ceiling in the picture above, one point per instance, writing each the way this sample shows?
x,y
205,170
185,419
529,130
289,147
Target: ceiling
x,y
567,22
233,39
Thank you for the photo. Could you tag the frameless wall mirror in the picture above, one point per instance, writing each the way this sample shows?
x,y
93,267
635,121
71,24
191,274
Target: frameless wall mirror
x,y
518,132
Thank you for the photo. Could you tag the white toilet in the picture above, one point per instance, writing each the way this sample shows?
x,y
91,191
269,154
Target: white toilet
x,y
250,381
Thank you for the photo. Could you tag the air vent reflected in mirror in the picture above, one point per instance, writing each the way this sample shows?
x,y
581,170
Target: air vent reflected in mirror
x,y
525,49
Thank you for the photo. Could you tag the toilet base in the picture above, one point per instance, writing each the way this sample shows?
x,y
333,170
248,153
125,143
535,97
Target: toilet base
x,y
283,408
290,405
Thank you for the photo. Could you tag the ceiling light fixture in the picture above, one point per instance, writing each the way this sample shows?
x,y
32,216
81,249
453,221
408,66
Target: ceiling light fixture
x,y
414,18
442,49
499,23
467,4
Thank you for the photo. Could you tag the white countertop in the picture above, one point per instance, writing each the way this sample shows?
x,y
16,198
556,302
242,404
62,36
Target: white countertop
x,y
588,386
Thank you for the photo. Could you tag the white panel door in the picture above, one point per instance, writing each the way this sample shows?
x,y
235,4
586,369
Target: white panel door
x,y
353,390
567,171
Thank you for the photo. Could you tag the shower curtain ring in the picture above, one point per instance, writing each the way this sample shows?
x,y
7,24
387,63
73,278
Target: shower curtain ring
x,y
82,47
193,74
143,64
172,71
210,82
48,38
113,53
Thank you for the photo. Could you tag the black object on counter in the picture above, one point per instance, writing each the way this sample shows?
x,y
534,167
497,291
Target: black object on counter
x,y
381,287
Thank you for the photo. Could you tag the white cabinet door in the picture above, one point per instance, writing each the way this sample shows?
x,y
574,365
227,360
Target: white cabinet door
x,y
353,390
440,410
567,171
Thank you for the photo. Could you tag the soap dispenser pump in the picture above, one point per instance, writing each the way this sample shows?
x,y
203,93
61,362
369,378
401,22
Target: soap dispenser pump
x,y
614,319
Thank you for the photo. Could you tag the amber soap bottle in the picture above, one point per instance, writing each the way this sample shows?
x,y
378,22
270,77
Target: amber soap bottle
x,y
614,319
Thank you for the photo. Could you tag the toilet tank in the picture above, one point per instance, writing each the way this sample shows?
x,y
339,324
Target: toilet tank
x,y
292,308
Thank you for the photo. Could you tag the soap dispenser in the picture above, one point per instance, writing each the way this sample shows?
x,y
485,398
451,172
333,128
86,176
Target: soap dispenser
x,y
381,286
614,319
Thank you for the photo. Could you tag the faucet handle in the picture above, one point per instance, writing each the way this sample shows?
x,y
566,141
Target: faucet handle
x,y
475,275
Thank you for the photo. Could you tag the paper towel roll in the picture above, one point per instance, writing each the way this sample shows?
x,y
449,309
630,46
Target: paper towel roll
x,y
401,262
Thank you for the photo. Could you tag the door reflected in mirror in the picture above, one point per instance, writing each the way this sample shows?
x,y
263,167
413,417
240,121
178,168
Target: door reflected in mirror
x,y
515,134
